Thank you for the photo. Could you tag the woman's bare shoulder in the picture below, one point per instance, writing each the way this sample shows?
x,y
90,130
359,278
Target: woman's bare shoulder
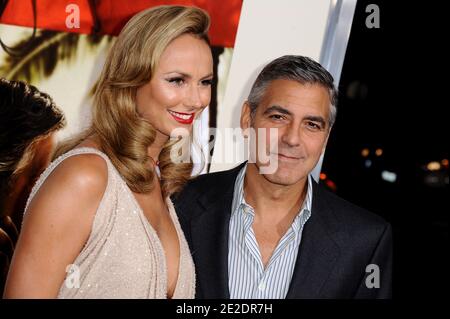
x,y
56,225
87,171
78,181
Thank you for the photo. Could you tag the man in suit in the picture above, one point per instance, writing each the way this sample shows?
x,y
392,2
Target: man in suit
x,y
255,233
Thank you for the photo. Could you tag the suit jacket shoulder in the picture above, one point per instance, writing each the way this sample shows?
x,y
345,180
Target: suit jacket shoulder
x,y
357,238
205,188
347,216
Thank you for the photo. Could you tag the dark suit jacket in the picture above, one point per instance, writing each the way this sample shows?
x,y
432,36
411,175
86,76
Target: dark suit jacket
x,y
338,242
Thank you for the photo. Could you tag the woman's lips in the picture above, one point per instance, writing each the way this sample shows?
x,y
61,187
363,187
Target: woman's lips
x,y
183,118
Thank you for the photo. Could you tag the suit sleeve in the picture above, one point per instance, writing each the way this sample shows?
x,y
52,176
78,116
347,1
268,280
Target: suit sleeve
x,y
371,287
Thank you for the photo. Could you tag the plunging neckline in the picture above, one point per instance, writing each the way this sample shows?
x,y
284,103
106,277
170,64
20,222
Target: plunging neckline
x,y
158,240
151,231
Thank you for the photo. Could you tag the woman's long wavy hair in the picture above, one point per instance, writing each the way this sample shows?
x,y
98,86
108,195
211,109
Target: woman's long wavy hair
x,y
123,135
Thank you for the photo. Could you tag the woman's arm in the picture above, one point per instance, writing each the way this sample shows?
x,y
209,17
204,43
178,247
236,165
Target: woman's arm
x,y
56,226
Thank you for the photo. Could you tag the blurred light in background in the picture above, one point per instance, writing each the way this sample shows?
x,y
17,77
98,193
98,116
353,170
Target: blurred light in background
x,y
379,152
433,166
365,152
389,176
331,185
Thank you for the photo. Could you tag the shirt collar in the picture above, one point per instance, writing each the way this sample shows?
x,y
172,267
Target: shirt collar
x,y
239,202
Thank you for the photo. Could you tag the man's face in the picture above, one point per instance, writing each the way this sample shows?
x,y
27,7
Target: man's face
x,y
300,115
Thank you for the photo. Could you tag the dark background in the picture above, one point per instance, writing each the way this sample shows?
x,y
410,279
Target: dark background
x,y
394,97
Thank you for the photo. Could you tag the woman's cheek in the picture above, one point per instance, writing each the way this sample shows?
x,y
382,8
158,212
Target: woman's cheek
x,y
169,96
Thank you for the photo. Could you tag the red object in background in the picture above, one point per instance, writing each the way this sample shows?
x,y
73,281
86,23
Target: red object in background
x,y
113,15
331,185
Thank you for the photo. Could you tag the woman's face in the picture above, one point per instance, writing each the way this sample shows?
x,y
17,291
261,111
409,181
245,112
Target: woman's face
x,y
180,87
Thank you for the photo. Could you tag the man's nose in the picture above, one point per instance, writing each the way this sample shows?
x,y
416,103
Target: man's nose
x,y
291,135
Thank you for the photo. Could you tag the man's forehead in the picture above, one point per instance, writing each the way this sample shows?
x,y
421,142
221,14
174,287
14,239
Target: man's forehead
x,y
295,96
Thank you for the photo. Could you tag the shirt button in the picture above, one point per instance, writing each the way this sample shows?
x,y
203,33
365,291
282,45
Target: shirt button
x,y
262,286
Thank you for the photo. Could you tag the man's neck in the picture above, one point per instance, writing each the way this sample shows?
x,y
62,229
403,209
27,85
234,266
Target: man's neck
x,y
272,201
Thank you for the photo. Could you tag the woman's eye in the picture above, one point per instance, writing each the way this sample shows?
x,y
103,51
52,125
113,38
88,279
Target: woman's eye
x,y
207,82
176,81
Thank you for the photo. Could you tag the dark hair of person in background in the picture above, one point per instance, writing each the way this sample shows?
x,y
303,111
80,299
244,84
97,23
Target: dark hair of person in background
x,y
28,119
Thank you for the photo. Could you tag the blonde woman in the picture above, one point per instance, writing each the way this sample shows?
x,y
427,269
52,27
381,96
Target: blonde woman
x,y
99,222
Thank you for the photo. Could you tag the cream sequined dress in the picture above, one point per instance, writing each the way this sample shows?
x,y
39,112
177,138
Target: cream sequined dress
x,y
123,257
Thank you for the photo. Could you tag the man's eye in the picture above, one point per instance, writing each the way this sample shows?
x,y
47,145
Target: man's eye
x,y
176,81
276,117
313,126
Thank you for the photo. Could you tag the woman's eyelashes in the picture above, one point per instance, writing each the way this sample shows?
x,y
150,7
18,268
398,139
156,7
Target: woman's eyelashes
x,y
207,82
180,81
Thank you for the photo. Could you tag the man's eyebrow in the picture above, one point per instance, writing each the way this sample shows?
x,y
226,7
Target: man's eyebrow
x,y
315,118
282,110
277,108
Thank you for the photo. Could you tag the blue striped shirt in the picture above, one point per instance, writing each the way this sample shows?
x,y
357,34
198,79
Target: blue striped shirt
x,y
247,278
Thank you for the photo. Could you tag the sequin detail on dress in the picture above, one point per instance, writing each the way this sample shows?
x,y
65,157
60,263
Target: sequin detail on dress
x,y
123,257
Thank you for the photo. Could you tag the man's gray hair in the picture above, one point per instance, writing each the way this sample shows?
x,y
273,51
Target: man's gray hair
x,y
296,68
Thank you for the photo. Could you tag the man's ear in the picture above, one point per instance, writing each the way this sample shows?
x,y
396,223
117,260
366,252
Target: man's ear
x,y
245,117
326,141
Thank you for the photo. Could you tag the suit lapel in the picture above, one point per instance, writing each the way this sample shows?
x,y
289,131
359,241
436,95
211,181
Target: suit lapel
x,y
209,233
318,252
211,255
